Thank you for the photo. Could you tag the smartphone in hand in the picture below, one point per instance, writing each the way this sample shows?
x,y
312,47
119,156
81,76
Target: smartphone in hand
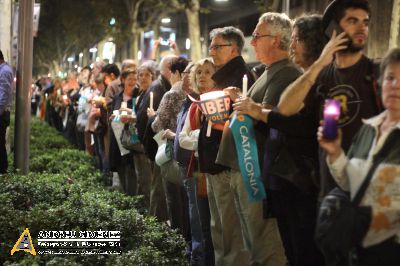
x,y
334,26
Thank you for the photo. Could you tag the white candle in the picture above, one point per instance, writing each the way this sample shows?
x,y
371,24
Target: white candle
x,y
209,128
151,100
124,113
124,105
244,90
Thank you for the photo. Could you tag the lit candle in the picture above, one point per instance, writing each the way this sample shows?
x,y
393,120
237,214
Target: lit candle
x,y
209,128
244,90
151,100
331,116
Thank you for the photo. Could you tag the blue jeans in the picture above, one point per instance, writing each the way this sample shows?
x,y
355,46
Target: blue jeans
x,y
199,214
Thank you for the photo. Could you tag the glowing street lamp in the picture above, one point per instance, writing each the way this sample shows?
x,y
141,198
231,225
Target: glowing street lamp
x,y
165,20
80,59
93,51
70,60
187,44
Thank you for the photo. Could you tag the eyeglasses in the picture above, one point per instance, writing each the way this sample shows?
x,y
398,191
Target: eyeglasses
x,y
218,46
295,40
255,36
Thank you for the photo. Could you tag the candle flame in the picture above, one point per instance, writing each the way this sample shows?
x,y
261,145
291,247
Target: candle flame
x,y
332,109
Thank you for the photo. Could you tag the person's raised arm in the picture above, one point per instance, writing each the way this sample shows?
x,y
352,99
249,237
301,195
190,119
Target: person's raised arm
x,y
154,49
292,99
174,47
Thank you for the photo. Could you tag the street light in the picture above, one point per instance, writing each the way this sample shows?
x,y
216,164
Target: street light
x,y
70,60
187,44
80,59
93,50
165,20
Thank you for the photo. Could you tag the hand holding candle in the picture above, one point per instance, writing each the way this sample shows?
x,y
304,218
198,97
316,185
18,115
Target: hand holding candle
x,y
65,99
245,83
331,116
151,100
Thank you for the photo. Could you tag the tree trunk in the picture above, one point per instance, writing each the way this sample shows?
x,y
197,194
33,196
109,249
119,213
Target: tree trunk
x,y
379,28
395,25
192,15
134,45
55,68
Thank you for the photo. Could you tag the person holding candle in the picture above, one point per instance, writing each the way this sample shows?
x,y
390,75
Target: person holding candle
x,y
110,72
379,245
118,163
146,75
98,124
114,87
341,72
56,104
160,86
225,50
270,39
292,178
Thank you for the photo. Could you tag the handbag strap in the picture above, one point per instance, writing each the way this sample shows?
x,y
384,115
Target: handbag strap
x,y
377,159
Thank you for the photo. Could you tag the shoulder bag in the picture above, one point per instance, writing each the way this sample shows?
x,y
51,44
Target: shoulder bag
x,y
341,222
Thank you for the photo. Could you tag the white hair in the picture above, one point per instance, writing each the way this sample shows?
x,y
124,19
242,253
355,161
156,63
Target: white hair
x,y
279,23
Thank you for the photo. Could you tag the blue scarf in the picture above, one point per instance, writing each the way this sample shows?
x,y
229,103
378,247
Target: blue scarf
x,y
246,147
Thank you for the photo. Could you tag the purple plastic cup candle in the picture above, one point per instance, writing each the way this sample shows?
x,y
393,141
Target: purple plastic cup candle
x,y
331,116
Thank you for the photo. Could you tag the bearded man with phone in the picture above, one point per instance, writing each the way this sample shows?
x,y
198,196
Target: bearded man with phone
x,y
342,72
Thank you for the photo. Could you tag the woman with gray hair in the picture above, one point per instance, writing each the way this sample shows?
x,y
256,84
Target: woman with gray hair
x,y
376,147
146,74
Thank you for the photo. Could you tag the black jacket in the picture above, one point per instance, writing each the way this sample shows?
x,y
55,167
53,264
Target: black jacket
x,y
230,74
159,87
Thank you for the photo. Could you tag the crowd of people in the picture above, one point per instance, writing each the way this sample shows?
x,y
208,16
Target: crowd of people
x,y
189,170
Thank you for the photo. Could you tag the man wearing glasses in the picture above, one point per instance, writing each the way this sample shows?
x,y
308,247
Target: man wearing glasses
x,y
270,39
225,50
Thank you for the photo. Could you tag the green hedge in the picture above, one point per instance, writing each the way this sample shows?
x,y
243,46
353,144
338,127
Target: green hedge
x,y
64,192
